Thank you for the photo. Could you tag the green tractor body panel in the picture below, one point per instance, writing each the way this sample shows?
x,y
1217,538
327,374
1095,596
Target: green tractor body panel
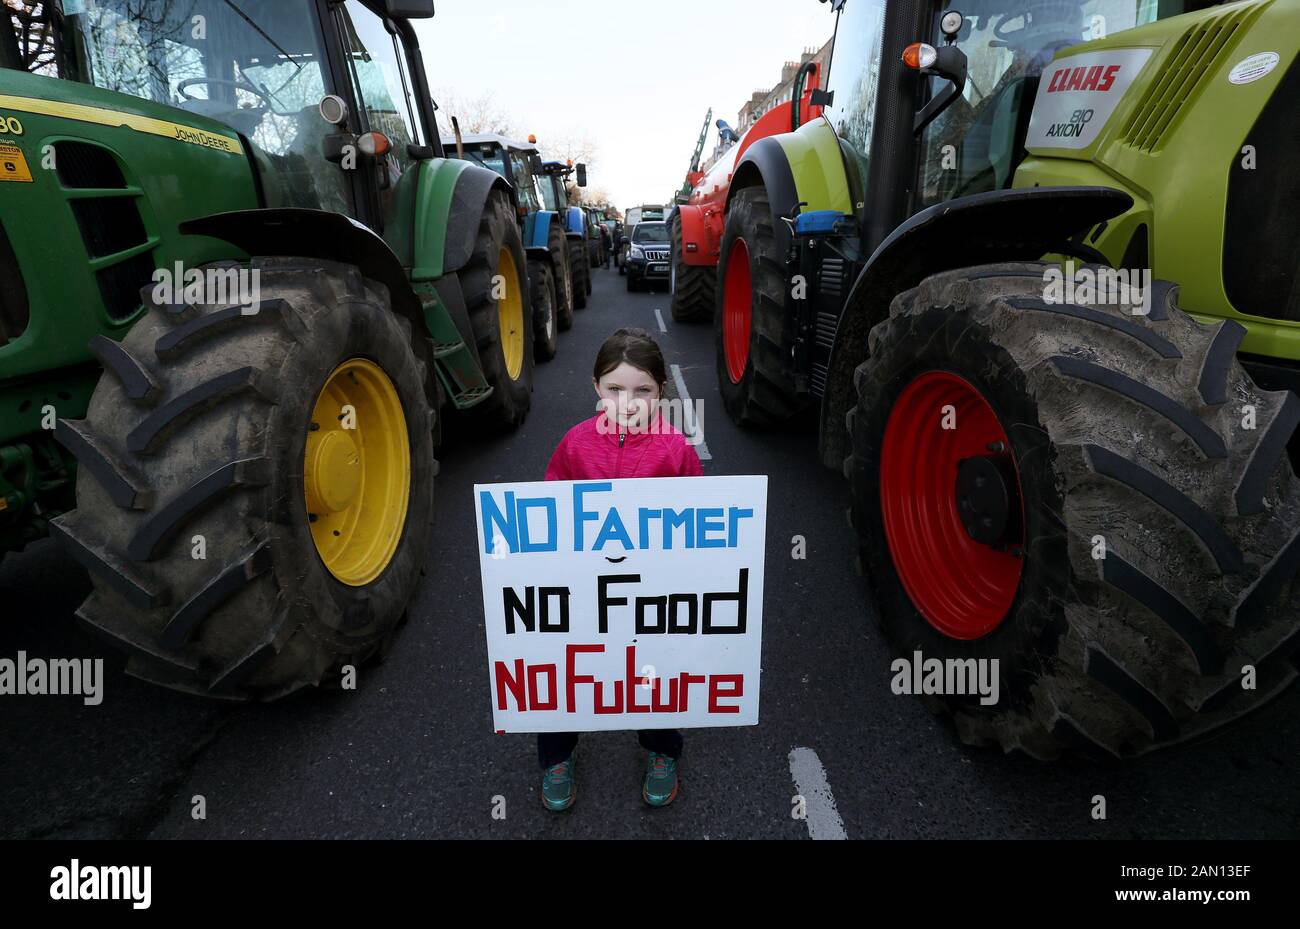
x,y
112,178
1190,96
103,213
817,164
425,193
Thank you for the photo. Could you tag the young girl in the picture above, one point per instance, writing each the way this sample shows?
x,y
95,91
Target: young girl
x,y
627,438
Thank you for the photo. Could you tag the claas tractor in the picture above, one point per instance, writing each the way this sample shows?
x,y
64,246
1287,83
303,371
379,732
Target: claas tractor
x,y
1033,278
697,224
550,270
241,288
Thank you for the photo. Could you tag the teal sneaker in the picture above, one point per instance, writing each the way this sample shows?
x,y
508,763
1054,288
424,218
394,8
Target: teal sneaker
x,y
660,787
558,789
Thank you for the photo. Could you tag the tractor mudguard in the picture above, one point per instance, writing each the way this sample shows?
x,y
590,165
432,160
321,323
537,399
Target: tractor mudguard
x,y
766,165
576,226
693,233
312,234
538,254
455,218
802,167
540,230
986,228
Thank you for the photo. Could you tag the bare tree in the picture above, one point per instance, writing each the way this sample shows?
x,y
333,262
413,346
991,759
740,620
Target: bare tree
x,y
476,115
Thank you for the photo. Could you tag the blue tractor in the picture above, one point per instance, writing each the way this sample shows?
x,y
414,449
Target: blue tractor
x,y
577,232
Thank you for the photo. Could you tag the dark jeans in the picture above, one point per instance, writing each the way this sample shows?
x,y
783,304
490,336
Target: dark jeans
x,y
554,747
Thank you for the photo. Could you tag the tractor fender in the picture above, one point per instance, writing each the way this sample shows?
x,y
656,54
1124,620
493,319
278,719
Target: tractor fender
x,y
1003,225
576,224
765,165
534,253
694,232
299,233
802,170
539,230
459,216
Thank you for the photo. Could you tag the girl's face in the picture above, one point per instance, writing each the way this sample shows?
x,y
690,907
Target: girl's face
x,y
628,396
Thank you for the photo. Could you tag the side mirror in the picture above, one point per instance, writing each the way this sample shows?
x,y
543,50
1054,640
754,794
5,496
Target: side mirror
x,y
582,175
535,164
409,9
625,241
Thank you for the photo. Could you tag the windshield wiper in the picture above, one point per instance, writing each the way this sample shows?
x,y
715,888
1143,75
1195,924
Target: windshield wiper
x,y
262,32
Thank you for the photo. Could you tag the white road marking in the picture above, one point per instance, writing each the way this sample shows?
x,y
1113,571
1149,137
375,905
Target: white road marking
x,y
693,428
810,782
659,316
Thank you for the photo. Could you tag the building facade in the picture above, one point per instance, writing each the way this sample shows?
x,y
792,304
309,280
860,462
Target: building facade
x,y
764,100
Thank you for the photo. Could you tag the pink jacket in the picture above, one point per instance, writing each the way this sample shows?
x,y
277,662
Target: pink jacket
x,y
586,454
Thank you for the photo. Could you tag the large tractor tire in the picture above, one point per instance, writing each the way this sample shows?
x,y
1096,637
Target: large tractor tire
x,y
749,321
558,246
255,494
1099,500
503,328
546,339
580,272
693,286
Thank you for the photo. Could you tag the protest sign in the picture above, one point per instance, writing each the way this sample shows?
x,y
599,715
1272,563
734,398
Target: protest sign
x,y
628,604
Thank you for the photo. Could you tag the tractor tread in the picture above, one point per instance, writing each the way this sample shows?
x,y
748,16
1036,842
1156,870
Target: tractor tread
x,y
125,488
1218,362
1226,552
1207,440
178,341
162,525
220,589
137,382
150,434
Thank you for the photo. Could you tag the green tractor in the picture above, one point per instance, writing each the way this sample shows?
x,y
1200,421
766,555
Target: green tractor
x,y
1036,278
239,288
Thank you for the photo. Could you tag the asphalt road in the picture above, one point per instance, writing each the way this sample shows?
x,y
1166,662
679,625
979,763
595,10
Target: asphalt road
x,y
411,752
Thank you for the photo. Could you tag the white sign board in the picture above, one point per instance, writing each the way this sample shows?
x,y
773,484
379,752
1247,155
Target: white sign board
x,y
1077,95
628,604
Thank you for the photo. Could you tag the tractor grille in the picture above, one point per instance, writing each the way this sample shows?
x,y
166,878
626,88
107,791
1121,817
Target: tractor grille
x,y
658,255
14,309
832,277
82,167
1194,56
1261,244
110,224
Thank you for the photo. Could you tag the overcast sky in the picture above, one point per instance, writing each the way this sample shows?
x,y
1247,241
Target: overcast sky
x,y
637,77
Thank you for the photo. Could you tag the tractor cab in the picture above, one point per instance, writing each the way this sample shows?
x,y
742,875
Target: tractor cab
x,y
980,68
331,110
518,162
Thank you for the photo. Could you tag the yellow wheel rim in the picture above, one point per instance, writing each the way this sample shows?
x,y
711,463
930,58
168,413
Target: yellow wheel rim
x,y
510,311
358,472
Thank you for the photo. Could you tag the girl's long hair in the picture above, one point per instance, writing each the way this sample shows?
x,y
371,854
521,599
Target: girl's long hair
x,y
636,347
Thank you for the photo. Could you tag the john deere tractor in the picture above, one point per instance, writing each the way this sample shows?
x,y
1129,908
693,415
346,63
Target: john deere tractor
x,y
1052,463
240,286
550,269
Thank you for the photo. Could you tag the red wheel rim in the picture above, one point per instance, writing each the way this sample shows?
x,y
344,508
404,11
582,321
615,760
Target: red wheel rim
x,y
737,311
962,588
